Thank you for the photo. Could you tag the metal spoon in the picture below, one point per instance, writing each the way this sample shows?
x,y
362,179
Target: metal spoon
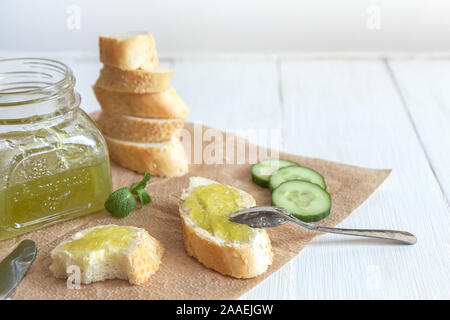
x,y
265,216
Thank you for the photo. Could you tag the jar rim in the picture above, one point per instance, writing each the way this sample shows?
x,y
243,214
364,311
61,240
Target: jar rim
x,y
33,80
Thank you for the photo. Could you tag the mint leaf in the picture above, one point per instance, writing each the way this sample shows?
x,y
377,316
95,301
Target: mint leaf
x,y
135,187
144,197
120,203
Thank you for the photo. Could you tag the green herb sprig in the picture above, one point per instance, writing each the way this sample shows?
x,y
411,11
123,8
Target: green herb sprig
x,y
122,201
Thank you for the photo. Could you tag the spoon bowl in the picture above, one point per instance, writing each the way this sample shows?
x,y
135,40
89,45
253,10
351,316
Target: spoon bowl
x,y
261,217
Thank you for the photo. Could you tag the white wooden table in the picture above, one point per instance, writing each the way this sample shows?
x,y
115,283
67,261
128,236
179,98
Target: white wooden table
x,y
367,111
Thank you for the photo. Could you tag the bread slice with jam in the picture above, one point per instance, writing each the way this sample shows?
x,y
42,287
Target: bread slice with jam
x,y
108,252
229,248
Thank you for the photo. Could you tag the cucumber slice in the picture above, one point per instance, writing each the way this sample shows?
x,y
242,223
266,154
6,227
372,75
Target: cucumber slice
x,y
262,170
296,173
305,200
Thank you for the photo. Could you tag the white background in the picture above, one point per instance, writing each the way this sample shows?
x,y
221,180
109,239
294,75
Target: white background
x,y
387,109
232,25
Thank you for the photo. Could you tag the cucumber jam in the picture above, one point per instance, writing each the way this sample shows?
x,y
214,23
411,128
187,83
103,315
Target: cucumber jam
x,y
53,198
54,163
99,243
210,205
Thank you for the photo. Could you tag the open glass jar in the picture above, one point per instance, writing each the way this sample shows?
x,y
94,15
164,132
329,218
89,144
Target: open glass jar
x,y
53,160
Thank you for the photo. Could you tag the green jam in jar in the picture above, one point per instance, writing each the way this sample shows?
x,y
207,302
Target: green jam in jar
x,y
54,163
71,193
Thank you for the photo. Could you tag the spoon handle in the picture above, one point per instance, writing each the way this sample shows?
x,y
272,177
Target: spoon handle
x,y
400,236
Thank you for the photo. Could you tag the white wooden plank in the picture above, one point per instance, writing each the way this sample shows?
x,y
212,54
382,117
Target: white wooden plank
x,y
424,85
239,95
349,111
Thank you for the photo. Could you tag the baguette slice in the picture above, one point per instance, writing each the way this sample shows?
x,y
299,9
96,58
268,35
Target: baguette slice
x,y
120,252
134,81
138,129
129,50
165,104
164,159
236,259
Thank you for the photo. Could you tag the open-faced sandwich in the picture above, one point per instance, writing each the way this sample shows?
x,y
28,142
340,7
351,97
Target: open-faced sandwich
x,y
227,247
109,252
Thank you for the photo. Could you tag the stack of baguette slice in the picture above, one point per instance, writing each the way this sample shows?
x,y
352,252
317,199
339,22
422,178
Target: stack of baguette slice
x,y
142,115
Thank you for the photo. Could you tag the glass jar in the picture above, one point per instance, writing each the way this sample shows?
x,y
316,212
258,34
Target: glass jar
x,y
53,160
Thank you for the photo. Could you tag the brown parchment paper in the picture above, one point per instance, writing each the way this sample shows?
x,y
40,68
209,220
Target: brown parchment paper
x,y
181,276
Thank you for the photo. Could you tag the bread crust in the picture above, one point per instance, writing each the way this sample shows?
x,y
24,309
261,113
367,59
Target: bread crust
x,y
134,81
138,129
238,260
134,52
165,159
145,259
165,104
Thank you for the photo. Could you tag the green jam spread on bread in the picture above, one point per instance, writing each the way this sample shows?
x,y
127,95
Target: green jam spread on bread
x,y
210,205
99,242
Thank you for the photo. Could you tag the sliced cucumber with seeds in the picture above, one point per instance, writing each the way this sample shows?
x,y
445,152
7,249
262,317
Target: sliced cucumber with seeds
x,y
296,173
262,170
305,200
